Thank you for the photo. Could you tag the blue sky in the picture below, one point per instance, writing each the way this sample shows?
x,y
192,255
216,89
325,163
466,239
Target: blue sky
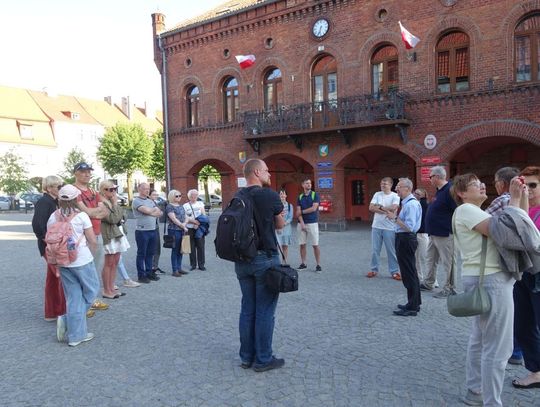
x,y
91,48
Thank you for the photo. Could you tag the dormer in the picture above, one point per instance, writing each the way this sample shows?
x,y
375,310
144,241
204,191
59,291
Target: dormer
x,y
72,115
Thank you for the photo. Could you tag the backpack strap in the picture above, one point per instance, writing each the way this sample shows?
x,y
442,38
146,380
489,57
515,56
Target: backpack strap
x,y
62,218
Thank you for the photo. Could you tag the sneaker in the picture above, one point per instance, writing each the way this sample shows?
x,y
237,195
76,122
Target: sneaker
x,y
90,313
115,287
436,284
301,267
99,305
318,269
424,287
404,307
275,363
144,280
160,271
129,283
515,360
442,294
153,277
182,272
473,399
50,319
202,268
89,337
61,328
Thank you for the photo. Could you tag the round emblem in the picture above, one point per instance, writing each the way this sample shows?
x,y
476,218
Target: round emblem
x,y
430,141
320,27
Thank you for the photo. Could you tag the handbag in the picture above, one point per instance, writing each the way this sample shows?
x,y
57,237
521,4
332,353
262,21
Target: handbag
x,y
168,241
476,301
282,278
186,245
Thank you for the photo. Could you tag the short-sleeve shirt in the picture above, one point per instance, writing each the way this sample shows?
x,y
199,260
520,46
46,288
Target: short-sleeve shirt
x,y
193,210
380,221
469,241
79,223
180,214
410,215
534,212
91,199
266,205
440,211
144,222
305,202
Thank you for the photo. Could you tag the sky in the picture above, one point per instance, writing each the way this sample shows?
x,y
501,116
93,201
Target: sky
x,y
87,48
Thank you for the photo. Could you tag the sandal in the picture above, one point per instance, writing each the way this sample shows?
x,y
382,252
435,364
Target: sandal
x,y
371,274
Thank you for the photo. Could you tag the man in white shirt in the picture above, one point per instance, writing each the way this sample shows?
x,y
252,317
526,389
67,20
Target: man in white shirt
x,y
382,229
194,209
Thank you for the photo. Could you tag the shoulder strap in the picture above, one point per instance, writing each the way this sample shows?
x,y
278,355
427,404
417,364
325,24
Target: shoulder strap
x,y
312,195
536,216
483,255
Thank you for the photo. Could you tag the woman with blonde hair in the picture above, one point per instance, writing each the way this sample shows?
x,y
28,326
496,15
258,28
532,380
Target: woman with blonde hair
x,y
114,237
176,216
55,302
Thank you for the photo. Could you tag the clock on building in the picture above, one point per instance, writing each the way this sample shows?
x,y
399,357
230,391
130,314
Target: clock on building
x,y
320,27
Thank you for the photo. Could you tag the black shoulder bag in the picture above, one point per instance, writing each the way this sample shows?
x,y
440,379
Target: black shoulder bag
x,y
282,278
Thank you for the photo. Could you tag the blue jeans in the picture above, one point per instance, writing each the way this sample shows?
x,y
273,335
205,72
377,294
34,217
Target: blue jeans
x,y
176,253
256,323
388,237
81,287
146,247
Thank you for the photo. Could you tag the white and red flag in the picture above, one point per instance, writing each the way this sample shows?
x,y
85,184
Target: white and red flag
x,y
245,61
409,40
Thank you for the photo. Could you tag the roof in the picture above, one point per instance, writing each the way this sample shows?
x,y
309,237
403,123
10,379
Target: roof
x,y
62,108
226,8
150,124
103,112
16,103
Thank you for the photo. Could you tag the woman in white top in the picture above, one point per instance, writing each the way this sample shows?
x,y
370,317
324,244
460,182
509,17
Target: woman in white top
x,y
193,209
491,338
79,278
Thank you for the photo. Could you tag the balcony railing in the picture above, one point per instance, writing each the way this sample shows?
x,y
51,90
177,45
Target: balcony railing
x,y
342,113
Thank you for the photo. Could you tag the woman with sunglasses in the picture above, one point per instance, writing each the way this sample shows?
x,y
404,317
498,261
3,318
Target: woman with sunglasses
x,y
527,297
176,216
491,339
115,241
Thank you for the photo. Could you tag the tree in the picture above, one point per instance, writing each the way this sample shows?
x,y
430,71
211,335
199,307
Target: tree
x,y
13,178
124,149
208,172
36,182
156,168
75,156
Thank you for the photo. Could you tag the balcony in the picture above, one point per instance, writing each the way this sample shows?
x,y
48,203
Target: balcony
x,y
338,115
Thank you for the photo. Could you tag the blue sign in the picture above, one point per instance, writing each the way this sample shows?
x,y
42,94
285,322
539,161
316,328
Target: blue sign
x,y
326,183
325,164
326,173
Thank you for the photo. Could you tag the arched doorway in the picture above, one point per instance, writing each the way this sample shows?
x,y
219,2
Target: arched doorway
x,y
362,171
220,180
287,172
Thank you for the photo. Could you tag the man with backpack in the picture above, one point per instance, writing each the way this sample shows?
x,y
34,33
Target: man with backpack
x,y
307,212
262,208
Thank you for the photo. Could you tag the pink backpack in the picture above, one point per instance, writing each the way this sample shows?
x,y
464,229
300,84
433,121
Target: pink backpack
x,y
61,249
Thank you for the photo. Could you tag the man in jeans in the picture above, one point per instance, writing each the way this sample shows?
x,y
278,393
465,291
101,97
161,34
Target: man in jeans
x,y
440,249
145,212
256,323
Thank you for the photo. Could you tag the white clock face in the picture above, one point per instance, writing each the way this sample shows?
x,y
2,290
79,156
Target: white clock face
x,y
320,28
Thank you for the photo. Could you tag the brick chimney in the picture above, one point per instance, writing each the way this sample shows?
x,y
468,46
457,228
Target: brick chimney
x,y
126,107
108,99
158,26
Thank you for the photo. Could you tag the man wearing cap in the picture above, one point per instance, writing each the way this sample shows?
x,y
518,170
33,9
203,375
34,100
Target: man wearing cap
x,y
90,202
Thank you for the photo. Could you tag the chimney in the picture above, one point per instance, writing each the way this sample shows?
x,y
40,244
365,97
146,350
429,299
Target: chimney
x,y
126,107
158,26
108,99
148,112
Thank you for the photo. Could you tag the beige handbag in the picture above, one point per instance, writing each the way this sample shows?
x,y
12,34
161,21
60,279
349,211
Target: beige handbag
x,y
186,245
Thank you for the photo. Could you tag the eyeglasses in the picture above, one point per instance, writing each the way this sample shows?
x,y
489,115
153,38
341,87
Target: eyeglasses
x,y
59,186
477,184
111,189
431,176
532,185
178,196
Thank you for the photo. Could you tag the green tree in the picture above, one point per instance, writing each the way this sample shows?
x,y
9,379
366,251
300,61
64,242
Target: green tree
x,y
74,156
124,149
156,169
13,178
208,172
36,182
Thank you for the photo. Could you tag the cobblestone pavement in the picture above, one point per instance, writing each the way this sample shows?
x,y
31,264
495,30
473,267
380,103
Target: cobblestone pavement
x,y
175,342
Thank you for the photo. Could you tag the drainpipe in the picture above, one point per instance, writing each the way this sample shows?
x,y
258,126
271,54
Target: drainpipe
x,y
165,112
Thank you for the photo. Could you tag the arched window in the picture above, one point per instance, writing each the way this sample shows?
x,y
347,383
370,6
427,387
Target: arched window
x,y
527,40
192,99
324,81
273,89
453,62
231,105
384,70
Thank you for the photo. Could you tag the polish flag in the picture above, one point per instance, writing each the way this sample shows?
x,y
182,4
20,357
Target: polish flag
x,y
245,61
409,40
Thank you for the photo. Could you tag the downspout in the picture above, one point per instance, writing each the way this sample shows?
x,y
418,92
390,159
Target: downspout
x,y
165,111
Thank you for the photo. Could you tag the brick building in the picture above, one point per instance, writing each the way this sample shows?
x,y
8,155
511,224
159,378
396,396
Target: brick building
x,y
336,96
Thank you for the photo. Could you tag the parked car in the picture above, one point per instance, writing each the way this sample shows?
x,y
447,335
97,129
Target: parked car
x,y
122,199
31,197
215,199
5,203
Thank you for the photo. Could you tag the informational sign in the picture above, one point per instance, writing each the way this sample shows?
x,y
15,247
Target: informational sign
x,y
326,164
241,182
424,173
326,183
325,173
434,159
430,141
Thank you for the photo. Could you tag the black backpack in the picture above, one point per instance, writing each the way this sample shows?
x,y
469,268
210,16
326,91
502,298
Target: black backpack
x,y
236,231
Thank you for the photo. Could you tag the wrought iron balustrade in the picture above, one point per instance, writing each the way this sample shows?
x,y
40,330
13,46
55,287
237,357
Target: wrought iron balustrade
x,y
348,112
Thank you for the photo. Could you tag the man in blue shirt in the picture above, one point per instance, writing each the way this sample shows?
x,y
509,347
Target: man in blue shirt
x,y
406,225
307,211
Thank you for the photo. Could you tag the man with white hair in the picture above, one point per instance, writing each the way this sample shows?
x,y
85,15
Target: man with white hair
x,y
194,209
440,251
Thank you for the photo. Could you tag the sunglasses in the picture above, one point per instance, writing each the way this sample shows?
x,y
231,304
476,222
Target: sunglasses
x,y
112,189
178,196
532,185
59,186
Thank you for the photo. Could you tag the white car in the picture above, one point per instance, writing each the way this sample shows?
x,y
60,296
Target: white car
x,y
5,203
215,199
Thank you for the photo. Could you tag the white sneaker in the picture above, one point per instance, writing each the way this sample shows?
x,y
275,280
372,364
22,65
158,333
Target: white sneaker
x,y
89,337
130,283
436,285
61,328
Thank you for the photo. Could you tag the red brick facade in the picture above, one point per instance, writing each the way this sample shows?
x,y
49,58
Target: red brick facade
x,y
495,122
